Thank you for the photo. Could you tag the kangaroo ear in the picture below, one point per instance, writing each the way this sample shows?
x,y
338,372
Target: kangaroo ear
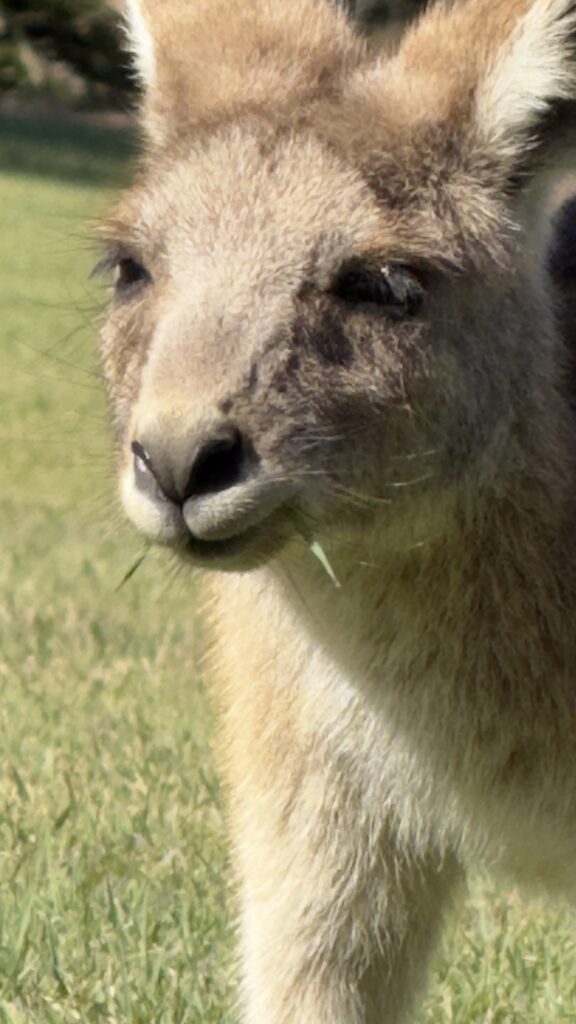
x,y
490,71
531,70
200,60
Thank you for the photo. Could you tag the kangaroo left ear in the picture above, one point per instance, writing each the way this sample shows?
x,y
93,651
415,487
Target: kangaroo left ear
x,y
533,67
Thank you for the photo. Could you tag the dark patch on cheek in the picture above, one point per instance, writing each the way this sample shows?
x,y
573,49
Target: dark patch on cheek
x,y
279,382
284,377
226,406
293,364
253,377
326,338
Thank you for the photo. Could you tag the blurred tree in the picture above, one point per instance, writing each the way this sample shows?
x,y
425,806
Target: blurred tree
x,y
73,47
59,43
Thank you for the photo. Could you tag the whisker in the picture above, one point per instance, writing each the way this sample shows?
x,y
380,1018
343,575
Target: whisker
x,y
50,354
365,499
57,380
410,456
410,483
313,443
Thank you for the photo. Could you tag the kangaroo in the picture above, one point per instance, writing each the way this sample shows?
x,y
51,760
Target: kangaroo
x,y
339,389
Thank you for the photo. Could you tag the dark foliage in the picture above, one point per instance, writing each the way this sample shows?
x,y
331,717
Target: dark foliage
x,y
64,45
73,48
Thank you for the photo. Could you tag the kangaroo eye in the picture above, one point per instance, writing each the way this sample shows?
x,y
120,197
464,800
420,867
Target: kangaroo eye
x,y
128,274
390,285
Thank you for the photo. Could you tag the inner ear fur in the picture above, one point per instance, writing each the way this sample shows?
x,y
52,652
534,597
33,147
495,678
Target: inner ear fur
x,y
200,61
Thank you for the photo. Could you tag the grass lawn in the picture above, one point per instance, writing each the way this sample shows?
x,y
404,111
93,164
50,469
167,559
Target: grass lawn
x,y
113,862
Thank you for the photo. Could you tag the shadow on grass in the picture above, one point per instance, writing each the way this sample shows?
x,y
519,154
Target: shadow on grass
x,y
84,154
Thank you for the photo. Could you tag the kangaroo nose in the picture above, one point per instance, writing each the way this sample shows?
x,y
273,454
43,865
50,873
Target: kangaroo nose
x,y
209,465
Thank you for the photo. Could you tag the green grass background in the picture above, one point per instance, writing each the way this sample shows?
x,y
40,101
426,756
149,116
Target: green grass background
x,y
114,907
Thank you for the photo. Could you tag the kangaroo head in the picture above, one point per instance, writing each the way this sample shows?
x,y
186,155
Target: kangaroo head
x,y
326,320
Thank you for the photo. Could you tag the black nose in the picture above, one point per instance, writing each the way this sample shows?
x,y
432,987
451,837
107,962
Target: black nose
x,y
216,462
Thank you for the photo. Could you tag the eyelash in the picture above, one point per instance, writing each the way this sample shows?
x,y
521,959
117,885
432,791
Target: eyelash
x,y
128,272
392,286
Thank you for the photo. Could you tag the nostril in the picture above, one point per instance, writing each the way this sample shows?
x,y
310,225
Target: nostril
x,y
219,464
146,474
142,460
165,469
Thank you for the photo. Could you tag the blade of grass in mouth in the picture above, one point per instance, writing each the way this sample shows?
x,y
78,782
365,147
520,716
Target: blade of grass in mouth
x,y
133,568
319,553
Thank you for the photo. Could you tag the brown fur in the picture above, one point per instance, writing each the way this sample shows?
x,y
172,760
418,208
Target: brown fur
x,y
380,736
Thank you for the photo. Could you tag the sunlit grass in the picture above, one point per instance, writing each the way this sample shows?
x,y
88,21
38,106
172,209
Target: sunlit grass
x,y
114,906
112,850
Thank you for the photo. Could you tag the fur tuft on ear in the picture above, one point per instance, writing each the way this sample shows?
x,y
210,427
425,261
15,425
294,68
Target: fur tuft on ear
x,y
200,61
533,68
140,43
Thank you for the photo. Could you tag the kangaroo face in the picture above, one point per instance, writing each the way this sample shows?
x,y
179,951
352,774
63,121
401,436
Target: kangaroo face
x,y
274,351
312,332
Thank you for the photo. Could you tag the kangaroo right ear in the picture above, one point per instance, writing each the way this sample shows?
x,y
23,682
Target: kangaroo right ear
x,y
199,60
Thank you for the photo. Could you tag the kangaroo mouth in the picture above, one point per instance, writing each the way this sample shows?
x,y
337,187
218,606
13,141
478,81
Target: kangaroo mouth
x,y
246,550
239,528
234,528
